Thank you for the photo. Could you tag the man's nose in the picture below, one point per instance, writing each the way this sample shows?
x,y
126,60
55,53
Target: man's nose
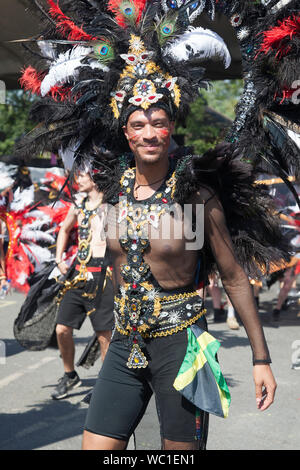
x,y
149,132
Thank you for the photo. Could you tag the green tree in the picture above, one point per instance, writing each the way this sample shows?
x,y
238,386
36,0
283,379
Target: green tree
x,y
14,121
223,96
203,129
196,132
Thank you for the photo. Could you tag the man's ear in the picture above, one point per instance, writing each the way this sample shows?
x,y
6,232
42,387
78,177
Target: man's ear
x,y
172,126
125,132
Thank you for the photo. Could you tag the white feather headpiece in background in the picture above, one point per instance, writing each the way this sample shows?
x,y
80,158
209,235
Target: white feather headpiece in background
x,y
200,43
22,199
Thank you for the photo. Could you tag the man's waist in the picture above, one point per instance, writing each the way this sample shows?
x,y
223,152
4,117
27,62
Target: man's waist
x,y
177,291
94,264
90,269
163,314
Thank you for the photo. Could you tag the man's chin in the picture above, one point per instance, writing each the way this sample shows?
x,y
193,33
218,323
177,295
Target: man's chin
x,y
150,158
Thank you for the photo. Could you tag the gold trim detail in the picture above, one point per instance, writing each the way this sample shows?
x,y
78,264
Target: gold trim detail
x,y
167,332
90,311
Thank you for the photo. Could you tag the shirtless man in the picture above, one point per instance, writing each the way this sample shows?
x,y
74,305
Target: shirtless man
x,y
84,294
156,302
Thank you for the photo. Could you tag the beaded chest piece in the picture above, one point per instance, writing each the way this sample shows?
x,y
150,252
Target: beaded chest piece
x,y
140,310
84,238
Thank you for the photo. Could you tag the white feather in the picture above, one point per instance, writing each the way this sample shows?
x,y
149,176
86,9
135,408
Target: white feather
x,y
22,199
37,254
22,278
68,155
36,236
295,137
48,50
41,219
199,43
95,64
64,68
5,181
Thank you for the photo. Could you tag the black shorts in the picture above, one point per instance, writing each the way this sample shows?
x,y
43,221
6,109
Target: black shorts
x,y
81,301
121,395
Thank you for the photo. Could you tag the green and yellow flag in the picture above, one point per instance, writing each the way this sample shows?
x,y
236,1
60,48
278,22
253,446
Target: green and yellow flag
x,y
200,379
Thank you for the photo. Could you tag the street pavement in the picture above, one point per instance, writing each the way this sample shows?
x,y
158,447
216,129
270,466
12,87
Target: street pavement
x,y
31,420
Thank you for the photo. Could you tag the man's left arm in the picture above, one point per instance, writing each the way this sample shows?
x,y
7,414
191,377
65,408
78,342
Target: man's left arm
x,y
238,288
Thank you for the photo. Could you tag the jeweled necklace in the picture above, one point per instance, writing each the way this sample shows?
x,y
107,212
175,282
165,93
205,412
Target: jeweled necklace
x,y
138,185
140,305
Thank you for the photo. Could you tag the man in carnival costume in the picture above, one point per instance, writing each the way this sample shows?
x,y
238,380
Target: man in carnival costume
x,y
72,283
135,66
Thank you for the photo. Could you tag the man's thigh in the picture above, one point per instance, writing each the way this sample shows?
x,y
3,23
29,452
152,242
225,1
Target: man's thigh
x,y
178,417
71,310
120,396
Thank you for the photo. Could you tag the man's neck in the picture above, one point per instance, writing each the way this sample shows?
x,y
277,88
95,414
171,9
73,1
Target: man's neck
x,y
147,173
94,197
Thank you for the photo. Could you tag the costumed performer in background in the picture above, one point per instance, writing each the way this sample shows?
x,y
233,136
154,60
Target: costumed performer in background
x,y
138,67
82,295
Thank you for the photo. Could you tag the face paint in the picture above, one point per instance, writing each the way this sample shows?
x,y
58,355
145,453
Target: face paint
x,y
164,132
133,138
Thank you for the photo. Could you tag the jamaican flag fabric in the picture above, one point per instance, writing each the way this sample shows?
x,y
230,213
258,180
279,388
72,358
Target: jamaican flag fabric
x,y
200,379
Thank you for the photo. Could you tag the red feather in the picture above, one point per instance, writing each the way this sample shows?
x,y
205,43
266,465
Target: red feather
x,y
60,93
57,215
278,37
31,80
114,6
56,182
66,26
287,94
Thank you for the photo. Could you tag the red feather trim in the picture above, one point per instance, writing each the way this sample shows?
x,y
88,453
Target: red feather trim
x,y
17,263
287,94
114,6
56,182
57,215
60,93
31,80
66,26
277,38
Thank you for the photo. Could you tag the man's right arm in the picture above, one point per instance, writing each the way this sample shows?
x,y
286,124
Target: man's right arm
x,y
63,237
237,286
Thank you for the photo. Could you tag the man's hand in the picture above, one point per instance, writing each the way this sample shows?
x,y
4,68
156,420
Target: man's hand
x,y
62,266
265,386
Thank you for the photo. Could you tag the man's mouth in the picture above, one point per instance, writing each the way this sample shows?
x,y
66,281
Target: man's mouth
x,y
152,146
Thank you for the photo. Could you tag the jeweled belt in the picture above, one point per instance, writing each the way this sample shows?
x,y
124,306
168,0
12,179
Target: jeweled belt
x,y
171,313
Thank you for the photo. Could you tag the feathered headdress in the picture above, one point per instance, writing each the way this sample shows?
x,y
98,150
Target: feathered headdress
x,y
266,129
97,60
